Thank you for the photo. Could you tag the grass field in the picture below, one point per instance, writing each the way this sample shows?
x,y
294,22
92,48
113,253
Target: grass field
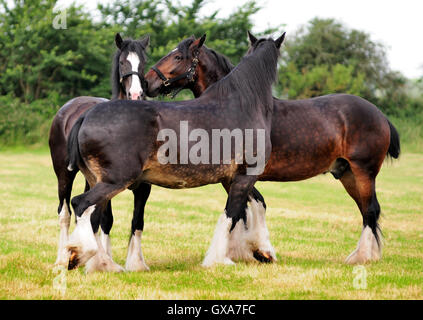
x,y
313,226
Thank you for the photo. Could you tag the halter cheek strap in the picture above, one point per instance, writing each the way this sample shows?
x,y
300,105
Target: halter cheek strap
x,y
187,75
133,73
126,75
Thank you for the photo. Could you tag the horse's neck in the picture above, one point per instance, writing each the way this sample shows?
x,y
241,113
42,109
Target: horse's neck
x,y
210,72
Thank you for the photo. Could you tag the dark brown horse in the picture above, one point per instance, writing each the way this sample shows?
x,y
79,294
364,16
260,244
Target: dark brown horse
x,y
119,145
342,134
127,83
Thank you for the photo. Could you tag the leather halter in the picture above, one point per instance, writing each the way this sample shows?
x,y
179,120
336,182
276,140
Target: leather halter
x,y
144,83
187,75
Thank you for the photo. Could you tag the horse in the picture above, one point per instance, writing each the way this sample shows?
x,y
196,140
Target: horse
x,y
122,145
342,134
127,83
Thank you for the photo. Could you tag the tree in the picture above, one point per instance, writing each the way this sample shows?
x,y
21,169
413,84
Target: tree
x,y
326,57
38,61
168,23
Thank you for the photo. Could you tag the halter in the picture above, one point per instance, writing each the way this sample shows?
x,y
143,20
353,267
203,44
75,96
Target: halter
x,y
187,75
133,73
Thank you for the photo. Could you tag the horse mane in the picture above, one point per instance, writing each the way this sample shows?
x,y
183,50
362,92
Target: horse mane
x,y
128,45
222,61
183,46
251,80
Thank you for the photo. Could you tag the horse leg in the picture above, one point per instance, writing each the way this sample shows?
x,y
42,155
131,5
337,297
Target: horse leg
x,y
236,210
361,187
252,243
102,261
83,244
135,259
65,180
106,225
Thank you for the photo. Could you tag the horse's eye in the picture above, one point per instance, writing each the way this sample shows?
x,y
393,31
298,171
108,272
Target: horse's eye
x,y
178,58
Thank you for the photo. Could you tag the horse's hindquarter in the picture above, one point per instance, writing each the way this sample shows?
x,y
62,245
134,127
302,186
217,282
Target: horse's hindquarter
x,y
62,124
72,110
307,137
116,138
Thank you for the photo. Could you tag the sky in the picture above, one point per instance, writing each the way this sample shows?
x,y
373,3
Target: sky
x,y
396,24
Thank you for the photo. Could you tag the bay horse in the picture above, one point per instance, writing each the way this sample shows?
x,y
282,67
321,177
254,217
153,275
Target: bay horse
x,y
127,81
118,145
342,134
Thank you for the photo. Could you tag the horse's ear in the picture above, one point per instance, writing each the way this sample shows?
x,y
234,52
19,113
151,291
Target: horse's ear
x,y
118,41
202,40
145,41
253,39
279,40
197,44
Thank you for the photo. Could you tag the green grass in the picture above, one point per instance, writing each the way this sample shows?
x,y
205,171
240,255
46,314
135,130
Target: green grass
x,y
313,226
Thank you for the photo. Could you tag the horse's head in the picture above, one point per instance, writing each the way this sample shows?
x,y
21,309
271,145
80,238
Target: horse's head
x,y
128,68
177,69
256,43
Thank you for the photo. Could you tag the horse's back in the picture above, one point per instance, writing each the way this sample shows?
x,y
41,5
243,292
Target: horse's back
x,y
71,111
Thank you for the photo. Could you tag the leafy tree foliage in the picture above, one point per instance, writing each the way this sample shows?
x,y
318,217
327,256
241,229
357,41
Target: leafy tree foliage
x,y
326,57
41,66
168,23
38,61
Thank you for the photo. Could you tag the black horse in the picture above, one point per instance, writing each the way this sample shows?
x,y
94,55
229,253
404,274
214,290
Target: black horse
x,y
342,134
119,145
127,83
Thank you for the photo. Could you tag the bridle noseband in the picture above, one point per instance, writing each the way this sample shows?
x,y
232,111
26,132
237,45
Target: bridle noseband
x,y
187,75
144,83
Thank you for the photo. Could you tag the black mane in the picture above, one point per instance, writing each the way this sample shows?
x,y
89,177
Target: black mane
x,y
223,62
128,45
183,46
252,78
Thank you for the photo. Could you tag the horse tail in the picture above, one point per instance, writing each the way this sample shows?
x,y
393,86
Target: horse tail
x,y
394,145
73,145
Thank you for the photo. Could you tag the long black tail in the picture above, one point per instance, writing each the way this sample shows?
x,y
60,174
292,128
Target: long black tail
x,y
73,145
394,145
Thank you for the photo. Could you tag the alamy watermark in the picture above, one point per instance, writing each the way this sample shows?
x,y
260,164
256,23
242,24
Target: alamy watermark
x,y
59,21
360,279
249,147
59,282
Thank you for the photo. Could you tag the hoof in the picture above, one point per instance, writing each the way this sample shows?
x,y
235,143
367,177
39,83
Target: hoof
x,y
78,258
368,249
135,262
357,258
73,259
82,244
102,263
264,256
363,257
135,259
225,261
228,262
137,266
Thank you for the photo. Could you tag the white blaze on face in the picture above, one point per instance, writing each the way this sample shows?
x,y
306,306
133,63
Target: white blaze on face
x,y
136,90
